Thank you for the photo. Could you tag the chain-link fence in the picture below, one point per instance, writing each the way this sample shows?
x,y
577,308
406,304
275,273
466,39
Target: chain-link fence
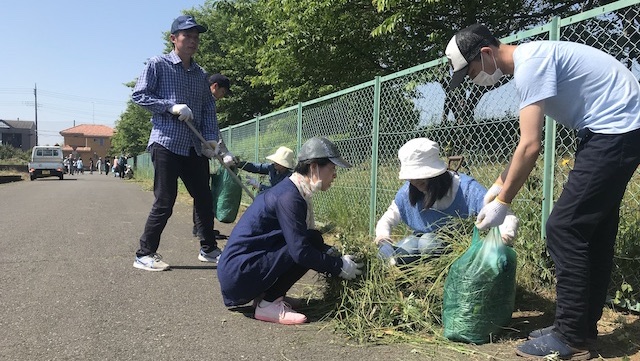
x,y
371,121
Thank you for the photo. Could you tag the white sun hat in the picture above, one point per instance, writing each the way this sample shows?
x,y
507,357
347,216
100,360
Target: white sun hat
x,y
420,159
282,156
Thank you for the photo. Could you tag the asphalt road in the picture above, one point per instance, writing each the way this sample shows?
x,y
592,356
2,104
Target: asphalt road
x,y
68,290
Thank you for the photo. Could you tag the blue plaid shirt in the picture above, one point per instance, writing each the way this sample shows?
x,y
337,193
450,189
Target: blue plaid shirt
x,y
165,83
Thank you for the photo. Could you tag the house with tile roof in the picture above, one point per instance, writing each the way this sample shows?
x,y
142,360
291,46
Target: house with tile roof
x,y
88,141
19,134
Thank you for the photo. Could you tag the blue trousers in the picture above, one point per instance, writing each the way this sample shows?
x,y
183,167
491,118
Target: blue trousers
x,y
194,172
582,230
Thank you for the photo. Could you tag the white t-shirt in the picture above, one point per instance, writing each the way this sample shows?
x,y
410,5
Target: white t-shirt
x,y
583,87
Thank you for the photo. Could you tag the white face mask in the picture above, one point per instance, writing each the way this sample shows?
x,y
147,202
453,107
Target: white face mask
x,y
485,79
317,185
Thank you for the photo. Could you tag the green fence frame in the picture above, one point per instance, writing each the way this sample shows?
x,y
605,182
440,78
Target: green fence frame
x,y
370,121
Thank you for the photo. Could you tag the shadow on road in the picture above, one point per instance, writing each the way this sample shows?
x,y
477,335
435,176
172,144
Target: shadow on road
x,y
194,267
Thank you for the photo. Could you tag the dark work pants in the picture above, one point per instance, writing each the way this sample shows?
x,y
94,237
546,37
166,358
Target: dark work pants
x,y
194,172
195,232
289,278
582,229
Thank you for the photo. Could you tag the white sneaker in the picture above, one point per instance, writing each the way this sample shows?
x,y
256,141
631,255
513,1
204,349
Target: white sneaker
x,y
278,311
151,262
212,256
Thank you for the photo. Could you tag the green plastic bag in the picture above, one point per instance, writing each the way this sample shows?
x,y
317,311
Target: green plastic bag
x,y
226,196
480,290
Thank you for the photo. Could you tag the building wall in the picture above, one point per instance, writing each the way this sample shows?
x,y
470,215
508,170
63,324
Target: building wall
x,y
99,146
18,138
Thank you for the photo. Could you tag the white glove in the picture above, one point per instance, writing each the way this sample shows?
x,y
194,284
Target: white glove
x,y
210,152
509,229
350,269
228,160
253,182
380,240
492,193
492,215
182,111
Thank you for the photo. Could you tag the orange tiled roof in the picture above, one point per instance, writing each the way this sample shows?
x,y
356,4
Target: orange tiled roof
x,y
68,148
89,130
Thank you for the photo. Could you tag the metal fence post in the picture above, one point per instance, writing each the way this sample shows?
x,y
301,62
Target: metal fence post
x,y
299,128
257,149
549,151
374,156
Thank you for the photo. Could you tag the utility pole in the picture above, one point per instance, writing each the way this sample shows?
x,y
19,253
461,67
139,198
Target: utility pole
x,y
35,94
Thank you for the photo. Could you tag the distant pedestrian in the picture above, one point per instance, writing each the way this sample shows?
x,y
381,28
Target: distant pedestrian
x,y
99,165
90,165
107,165
114,167
122,166
80,165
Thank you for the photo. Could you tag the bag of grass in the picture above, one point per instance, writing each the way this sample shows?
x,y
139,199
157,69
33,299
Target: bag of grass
x,y
480,289
226,196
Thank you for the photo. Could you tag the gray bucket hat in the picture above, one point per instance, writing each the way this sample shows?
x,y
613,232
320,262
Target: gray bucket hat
x,y
320,147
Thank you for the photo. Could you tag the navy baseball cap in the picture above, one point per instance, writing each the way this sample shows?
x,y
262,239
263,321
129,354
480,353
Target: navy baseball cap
x,y
186,22
463,47
222,81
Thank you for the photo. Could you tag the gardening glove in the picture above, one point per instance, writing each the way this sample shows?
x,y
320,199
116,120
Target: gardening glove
x,y
509,229
210,152
253,182
380,240
350,269
228,160
492,193
182,111
492,215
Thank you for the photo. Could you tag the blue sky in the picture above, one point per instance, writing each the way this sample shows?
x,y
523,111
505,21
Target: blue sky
x,y
79,54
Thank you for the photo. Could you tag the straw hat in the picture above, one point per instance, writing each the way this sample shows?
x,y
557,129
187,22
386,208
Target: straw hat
x,y
420,159
282,156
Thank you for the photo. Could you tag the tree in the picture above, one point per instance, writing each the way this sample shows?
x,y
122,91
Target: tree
x,y
314,48
132,130
230,46
427,26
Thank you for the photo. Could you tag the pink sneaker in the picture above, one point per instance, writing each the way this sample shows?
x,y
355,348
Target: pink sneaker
x,y
295,303
278,311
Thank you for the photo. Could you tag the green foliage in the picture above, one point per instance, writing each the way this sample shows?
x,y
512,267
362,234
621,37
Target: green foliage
x,y
11,155
390,303
236,33
309,44
625,285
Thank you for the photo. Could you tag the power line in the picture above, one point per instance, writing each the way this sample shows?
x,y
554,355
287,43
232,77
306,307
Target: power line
x,y
71,97
79,98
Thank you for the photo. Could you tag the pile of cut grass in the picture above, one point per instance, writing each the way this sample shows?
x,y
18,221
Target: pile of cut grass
x,y
391,303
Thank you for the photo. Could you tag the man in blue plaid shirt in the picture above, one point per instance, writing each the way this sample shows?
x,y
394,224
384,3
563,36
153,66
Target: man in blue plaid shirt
x,y
175,89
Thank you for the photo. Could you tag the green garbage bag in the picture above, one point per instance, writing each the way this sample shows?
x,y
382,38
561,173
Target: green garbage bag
x,y
480,290
226,196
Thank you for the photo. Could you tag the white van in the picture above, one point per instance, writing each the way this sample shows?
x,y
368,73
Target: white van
x,y
46,161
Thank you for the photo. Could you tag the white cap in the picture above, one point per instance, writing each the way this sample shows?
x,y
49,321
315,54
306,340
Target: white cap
x,y
282,156
420,159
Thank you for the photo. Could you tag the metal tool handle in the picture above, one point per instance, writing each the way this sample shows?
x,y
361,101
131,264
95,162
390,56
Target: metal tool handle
x,y
219,158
